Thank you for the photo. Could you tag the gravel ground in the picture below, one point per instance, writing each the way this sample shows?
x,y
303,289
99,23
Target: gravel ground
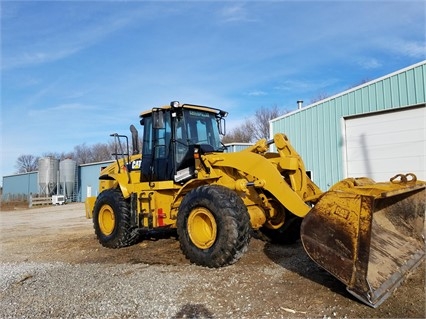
x,y
53,267
86,291
127,291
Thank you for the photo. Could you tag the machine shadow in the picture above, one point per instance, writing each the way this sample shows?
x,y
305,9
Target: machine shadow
x,y
294,258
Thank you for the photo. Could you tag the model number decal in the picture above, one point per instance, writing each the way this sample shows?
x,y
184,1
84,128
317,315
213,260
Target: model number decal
x,y
199,114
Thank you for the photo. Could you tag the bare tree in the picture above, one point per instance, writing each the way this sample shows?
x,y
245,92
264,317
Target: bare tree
x,y
254,129
100,152
82,154
261,121
60,156
240,134
26,163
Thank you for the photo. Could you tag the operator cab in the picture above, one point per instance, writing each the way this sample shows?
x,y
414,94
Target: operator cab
x,y
171,135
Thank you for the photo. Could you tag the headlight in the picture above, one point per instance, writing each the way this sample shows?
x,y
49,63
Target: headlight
x,y
223,113
175,104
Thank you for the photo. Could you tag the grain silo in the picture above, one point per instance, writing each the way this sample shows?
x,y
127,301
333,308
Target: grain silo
x,y
47,175
67,173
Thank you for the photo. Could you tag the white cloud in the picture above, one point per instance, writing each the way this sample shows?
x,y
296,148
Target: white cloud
x,y
412,49
30,57
257,93
68,37
235,13
305,85
369,63
293,85
61,109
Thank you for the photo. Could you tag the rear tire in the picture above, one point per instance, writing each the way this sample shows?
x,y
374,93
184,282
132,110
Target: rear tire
x,y
111,220
213,226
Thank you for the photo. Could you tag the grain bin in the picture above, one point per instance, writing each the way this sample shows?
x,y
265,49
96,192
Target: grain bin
x,y
47,175
67,171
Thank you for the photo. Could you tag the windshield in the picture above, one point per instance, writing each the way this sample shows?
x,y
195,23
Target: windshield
x,y
198,127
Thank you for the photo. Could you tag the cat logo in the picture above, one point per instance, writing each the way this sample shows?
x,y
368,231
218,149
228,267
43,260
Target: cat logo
x,y
136,164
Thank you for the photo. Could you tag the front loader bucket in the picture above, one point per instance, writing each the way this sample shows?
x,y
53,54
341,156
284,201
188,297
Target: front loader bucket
x,y
368,235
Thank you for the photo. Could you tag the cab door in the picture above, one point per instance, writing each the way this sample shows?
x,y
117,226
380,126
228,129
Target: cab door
x,y
157,159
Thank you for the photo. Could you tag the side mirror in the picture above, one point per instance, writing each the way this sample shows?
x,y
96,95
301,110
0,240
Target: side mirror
x,y
222,126
158,119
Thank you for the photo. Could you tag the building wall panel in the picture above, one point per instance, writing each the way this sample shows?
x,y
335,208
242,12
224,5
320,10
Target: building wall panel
x,y
89,177
316,130
20,185
236,147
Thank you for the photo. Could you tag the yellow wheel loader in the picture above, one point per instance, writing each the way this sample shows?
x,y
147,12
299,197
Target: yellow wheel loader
x,y
368,235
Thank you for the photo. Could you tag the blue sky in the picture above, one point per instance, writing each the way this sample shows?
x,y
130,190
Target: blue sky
x,y
72,72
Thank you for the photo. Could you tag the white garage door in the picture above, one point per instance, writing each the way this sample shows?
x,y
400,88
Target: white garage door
x,y
382,145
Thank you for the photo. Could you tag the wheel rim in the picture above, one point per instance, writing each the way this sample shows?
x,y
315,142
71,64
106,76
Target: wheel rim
x,y
106,220
202,228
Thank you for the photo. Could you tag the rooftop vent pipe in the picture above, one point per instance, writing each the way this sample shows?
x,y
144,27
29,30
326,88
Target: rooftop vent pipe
x,y
299,104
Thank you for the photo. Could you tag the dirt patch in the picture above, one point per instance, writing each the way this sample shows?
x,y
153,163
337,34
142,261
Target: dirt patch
x,y
277,280
13,205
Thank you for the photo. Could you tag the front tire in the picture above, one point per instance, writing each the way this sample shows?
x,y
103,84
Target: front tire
x,y
213,226
111,220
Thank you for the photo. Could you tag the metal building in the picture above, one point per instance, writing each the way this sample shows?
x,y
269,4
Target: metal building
x,y
377,130
20,186
89,178
236,147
